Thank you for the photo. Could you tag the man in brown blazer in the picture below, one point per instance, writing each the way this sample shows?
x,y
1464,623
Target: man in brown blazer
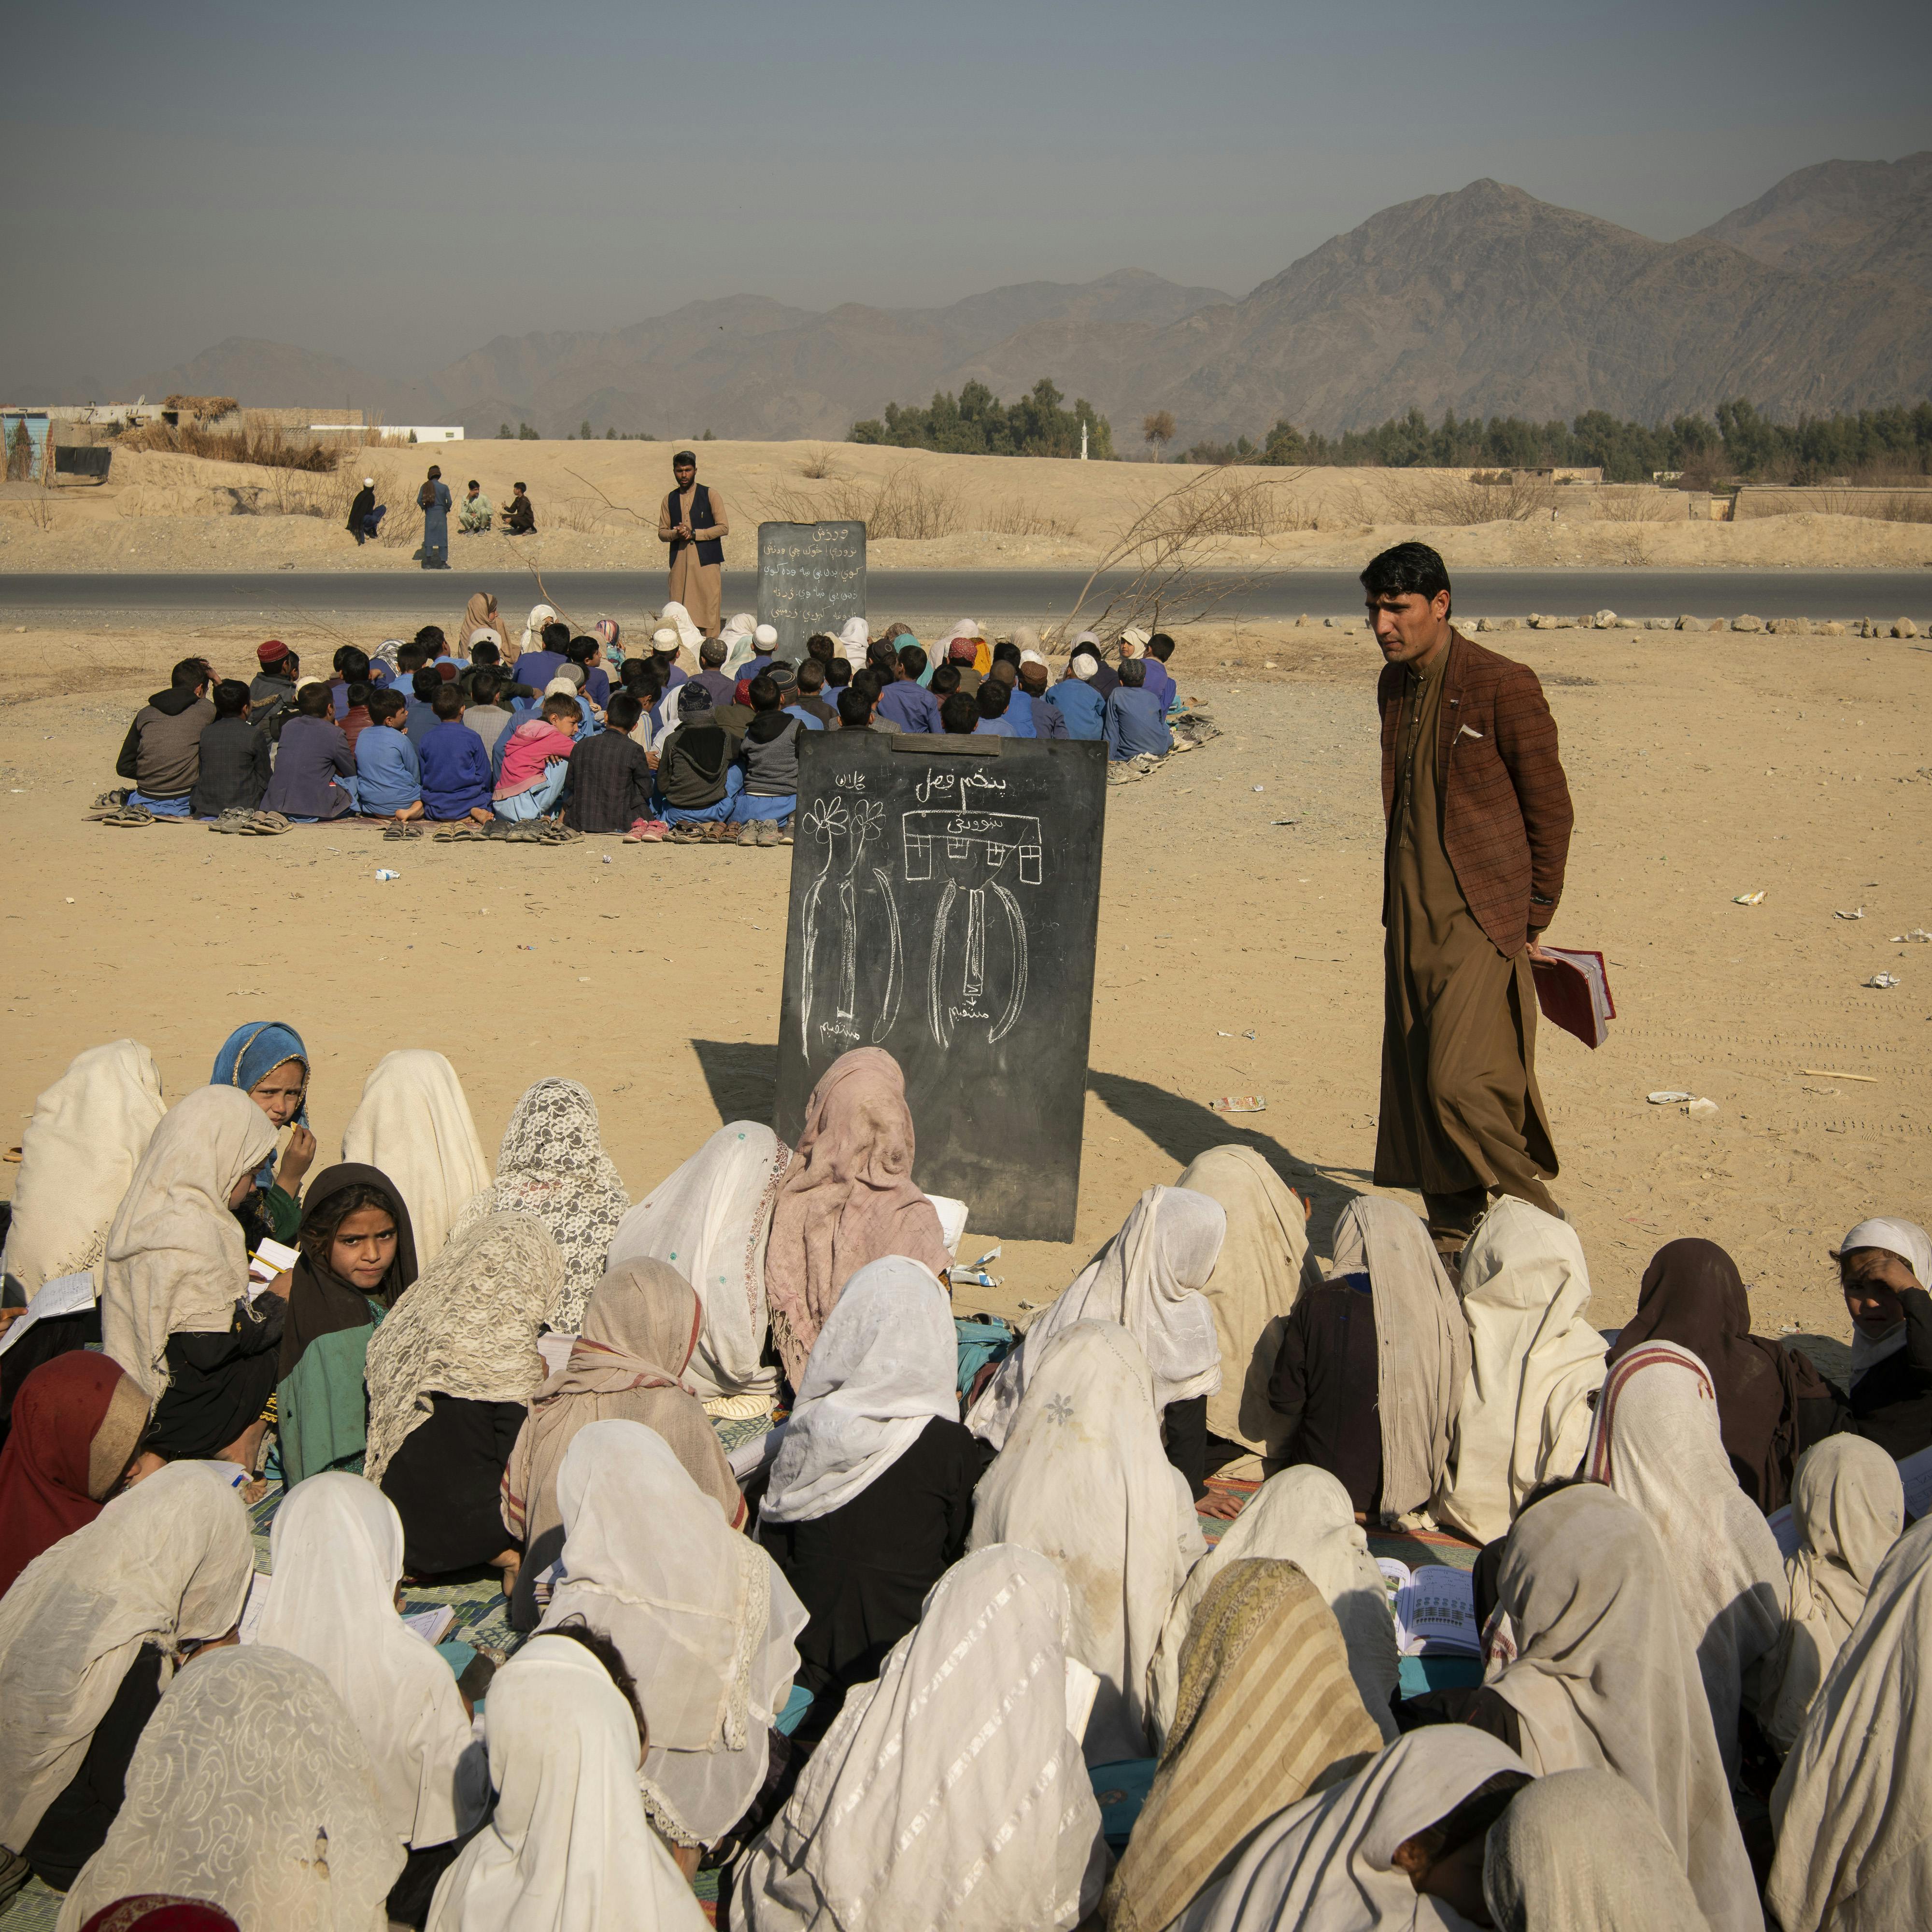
x,y
1479,821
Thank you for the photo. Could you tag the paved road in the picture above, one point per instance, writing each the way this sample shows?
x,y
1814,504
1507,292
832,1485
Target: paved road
x,y
925,596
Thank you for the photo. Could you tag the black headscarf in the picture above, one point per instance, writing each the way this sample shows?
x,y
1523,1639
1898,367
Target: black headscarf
x,y
320,1302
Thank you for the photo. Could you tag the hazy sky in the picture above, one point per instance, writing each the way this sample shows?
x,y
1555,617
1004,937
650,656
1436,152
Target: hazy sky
x,y
396,183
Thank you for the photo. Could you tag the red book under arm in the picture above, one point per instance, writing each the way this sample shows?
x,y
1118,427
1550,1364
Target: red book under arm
x,y
1573,992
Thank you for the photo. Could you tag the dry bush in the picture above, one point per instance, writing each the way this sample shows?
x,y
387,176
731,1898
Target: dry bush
x,y
903,504
1022,517
1900,506
573,513
1466,500
818,463
1639,504
265,448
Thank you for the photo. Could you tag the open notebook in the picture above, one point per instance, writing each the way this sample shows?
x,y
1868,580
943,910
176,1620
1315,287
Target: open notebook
x,y
1434,1607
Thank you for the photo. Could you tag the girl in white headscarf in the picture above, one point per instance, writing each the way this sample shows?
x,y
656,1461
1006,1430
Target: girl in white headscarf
x,y
568,1848
709,1220
872,1491
337,1553
951,1793
1083,1480
1376,1853
541,614
413,1124
1148,1278
1579,1852
1378,1417
689,636
552,1164
88,1133
1848,1508
172,1311
1852,1807
1536,1361
448,1373
706,1624
90,1632
1301,1515
1605,1675
250,1788
1655,1441
853,641
1885,1268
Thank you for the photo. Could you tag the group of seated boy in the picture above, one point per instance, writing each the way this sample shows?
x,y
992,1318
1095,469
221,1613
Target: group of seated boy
x,y
420,733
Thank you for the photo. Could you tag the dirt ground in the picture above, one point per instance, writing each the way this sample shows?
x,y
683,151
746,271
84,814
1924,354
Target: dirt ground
x,y
596,508
1240,946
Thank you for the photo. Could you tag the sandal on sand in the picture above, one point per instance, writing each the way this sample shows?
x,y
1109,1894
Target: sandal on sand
x,y
109,800
266,825
404,828
125,814
235,819
450,834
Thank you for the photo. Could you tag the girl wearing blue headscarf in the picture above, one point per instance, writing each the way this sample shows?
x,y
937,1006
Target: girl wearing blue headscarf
x,y
268,1062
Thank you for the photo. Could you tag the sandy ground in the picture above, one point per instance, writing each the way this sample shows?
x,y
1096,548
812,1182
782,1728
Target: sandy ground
x,y
1701,772
596,506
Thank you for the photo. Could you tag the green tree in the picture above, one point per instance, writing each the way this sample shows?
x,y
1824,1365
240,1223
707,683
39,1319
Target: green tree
x,y
526,434
503,432
610,435
1158,430
583,430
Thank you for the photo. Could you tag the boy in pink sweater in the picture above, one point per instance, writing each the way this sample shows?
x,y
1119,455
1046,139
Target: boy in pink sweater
x,y
536,761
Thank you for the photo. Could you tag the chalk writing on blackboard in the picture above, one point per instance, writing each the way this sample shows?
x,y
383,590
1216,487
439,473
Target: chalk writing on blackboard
x,y
811,577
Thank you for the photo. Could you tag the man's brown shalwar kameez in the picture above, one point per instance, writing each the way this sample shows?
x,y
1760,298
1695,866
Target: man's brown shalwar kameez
x,y
697,564
1461,1115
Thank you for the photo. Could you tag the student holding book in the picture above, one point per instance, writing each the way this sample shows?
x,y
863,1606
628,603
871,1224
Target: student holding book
x,y
1479,823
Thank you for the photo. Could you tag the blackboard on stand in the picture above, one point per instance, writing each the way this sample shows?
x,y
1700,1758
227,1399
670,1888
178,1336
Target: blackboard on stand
x,y
811,577
945,896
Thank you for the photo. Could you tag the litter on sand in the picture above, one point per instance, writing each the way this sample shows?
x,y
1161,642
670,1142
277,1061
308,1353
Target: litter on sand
x,y
1830,1073
1749,898
1882,979
1700,1107
1859,914
1239,1103
1917,936
1667,1097
383,872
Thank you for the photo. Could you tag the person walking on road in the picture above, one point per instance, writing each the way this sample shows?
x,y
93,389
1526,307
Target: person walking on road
x,y
1479,820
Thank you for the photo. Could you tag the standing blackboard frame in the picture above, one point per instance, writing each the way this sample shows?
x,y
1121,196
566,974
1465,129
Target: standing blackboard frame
x,y
811,578
944,905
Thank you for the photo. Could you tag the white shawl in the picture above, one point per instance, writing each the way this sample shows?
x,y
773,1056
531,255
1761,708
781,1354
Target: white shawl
x,y
710,1220
1655,1441
337,1553
1606,1675
176,1261
1422,1344
168,1562
949,1796
1083,1480
1848,1507
1525,1414
1263,1266
1327,1864
541,614
414,1125
88,1133
1148,1279
467,1326
249,1786
1301,1515
705,1621
568,1848
689,636
1578,1851
1852,1808
886,1363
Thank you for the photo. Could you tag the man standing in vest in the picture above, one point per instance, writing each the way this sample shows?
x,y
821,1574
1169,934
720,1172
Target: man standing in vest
x,y
692,522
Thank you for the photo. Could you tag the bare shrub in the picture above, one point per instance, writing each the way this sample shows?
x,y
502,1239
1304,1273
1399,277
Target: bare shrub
x,y
818,463
266,448
574,513
903,504
1022,517
1639,504
1467,500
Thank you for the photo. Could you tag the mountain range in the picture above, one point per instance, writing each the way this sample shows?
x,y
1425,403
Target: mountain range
x,y
1817,297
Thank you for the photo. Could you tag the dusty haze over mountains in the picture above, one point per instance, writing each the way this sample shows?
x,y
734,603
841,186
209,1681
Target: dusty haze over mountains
x,y
1817,297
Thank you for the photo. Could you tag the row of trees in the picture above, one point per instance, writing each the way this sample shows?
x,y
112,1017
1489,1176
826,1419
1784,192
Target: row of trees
x,y
1740,443
524,434
976,423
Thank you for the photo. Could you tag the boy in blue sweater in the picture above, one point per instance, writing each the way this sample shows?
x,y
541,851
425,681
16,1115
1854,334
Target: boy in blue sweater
x,y
454,766
388,782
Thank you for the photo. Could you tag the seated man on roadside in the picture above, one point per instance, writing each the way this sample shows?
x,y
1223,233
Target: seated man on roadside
x,y
809,695
473,514
769,755
993,701
1135,722
161,753
519,519
959,715
388,774
1048,721
1083,707
697,776
314,776
455,768
535,760
234,763
608,789
905,703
